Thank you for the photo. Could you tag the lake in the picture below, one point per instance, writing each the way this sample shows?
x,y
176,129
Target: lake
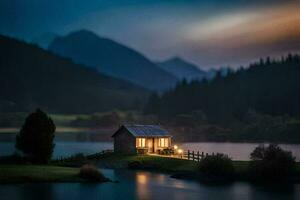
x,y
70,141
146,186
64,149
237,151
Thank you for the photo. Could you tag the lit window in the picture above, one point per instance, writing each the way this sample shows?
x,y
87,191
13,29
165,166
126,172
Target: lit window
x,y
163,142
141,142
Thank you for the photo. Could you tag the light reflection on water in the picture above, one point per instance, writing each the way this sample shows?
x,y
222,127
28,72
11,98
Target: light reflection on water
x,y
142,185
146,186
141,178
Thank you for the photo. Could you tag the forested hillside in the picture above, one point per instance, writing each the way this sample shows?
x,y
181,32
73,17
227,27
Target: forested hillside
x,y
259,101
31,77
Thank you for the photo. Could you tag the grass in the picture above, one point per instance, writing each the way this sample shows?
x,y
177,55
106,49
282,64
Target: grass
x,y
165,164
113,160
179,168
33,173
61,173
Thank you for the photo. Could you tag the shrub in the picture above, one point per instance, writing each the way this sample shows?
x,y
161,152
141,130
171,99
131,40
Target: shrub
x,y
271,162
219,164
91,173
36,137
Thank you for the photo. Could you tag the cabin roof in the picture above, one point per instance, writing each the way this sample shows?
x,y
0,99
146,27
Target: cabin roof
x,y
146,131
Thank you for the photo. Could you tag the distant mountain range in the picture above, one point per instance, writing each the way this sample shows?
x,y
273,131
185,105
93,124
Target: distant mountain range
x,y
112,58
44,39
182,69
31,77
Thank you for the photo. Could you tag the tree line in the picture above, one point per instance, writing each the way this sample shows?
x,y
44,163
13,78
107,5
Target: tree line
x,y
31,77
268,86
263,97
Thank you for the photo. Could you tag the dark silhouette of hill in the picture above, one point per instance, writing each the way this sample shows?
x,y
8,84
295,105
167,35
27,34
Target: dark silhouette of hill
x,y
112,58
44,39
31,77
182,69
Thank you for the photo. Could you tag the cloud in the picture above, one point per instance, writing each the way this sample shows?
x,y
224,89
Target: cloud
x,y
209,32
268,32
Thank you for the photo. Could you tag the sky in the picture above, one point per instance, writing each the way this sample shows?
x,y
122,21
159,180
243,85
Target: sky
x,y
209,33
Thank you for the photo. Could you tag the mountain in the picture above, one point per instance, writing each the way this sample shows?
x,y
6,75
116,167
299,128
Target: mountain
x,y
182,69
270,87
44,39
31,77
259,103
112,58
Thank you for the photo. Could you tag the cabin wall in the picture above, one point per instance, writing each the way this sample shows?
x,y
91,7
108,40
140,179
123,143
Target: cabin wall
x,y
156,144
124,142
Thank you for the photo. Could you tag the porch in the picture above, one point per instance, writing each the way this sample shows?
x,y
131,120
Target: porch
x,y
154,145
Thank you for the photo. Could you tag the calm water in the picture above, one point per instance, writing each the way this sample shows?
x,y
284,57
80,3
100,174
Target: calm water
x,y
64,149
237,151
147,186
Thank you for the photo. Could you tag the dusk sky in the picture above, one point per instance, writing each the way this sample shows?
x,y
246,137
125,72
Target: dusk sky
x,y
210,33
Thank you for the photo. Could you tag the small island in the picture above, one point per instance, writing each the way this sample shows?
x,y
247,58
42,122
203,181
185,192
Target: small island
x,y
137,147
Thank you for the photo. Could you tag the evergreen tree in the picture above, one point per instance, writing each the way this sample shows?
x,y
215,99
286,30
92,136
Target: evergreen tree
x,y
269,87
153,104
36,137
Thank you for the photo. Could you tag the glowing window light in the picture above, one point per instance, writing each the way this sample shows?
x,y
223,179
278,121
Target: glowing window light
x,y
163,142
141,142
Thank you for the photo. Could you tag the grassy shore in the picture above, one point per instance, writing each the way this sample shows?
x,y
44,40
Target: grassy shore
x,y
34,173
165,164
42,173
118,161
177,168
67,170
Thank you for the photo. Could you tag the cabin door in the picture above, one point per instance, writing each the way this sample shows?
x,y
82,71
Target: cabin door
x,y
150,145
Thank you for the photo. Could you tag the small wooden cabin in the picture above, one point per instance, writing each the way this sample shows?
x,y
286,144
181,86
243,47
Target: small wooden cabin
x,y
131,139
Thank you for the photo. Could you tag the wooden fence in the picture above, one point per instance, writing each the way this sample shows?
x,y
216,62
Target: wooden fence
x,y
195,156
